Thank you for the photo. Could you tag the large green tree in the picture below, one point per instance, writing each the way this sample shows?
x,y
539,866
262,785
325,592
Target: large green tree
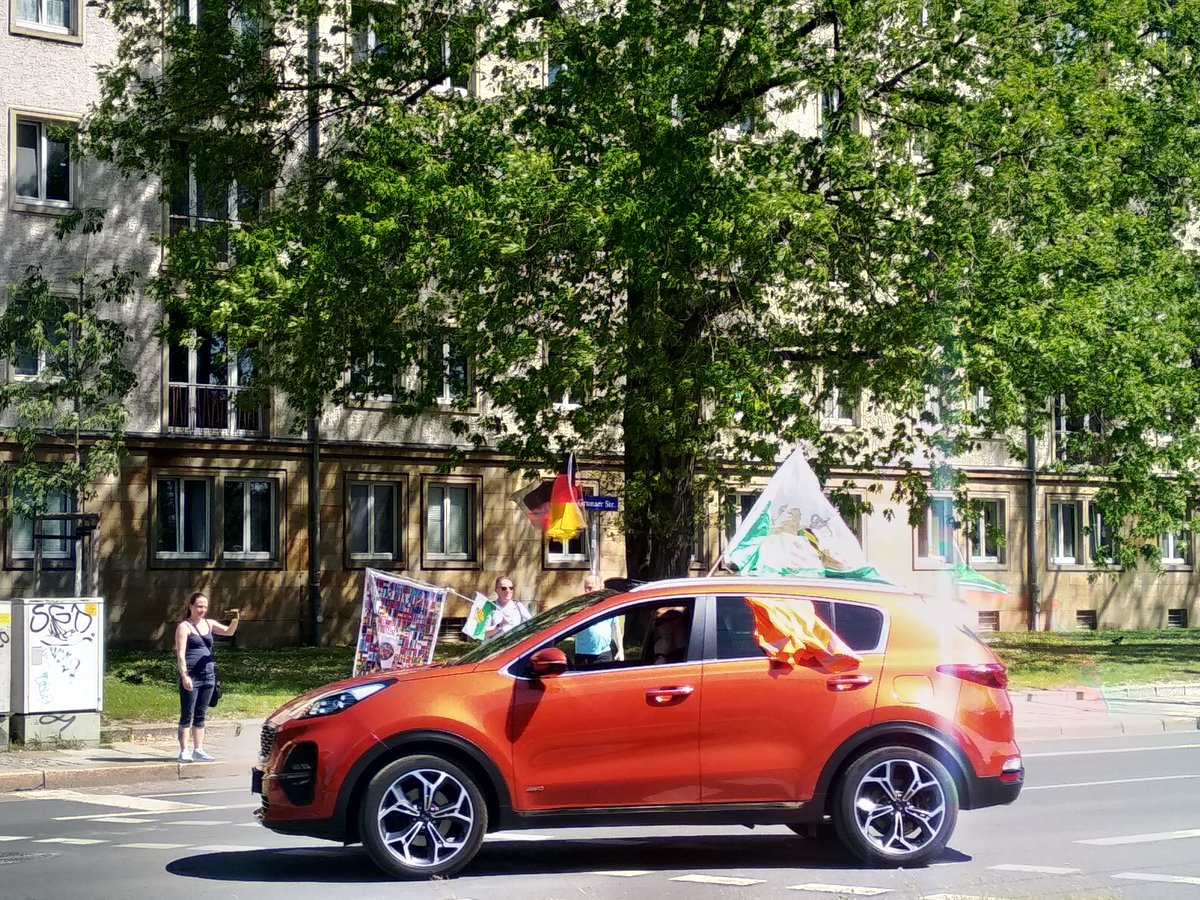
x,y
713,216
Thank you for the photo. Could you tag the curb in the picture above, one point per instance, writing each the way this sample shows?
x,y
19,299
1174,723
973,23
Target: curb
x,y
1182,725
99,776
117,733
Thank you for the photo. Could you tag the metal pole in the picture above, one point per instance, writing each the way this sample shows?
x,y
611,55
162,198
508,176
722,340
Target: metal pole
x,y
314,531
1031,558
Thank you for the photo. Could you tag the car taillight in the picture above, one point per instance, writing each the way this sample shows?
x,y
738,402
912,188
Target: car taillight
x,y
992,675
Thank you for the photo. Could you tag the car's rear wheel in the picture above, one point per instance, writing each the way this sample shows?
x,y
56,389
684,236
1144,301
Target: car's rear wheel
x,y
896,806
422,817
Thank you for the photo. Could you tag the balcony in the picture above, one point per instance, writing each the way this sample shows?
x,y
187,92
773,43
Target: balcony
x,y
212,409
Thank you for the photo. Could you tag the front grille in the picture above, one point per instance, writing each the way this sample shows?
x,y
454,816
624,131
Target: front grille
x,y
267,741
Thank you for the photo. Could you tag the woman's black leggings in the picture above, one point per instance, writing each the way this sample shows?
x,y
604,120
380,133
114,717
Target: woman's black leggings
x,y
193,704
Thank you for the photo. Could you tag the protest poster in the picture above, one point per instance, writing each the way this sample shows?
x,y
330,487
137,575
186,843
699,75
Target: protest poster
x,y
400,621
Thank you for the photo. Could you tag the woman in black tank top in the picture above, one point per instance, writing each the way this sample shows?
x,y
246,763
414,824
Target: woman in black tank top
x,y
197,677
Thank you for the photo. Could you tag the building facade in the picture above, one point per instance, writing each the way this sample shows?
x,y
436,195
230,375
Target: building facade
x,y
214,495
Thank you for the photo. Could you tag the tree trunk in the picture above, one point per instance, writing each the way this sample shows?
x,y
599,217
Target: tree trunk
x,y
661,425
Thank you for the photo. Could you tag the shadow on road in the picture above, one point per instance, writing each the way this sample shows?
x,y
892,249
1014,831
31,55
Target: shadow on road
x,y
715,853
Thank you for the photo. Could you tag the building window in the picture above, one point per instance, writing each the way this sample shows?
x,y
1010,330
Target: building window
x,y
31,362
573,551
1064,543
838,409
21,540
373,531
454,383
450,511
935,532
249,515
183,507
199,202
737,507
1176,548
451,49
1102,539
1085,620
57,16
988,532
1071,429
1177,618
369,379
208,388
42,168
988,620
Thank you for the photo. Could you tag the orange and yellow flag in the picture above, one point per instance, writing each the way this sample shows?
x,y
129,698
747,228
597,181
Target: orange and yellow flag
x,y
790,631
565,519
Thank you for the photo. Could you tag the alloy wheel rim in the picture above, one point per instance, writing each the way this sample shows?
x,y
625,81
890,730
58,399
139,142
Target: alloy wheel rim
x,y
425,817
900,807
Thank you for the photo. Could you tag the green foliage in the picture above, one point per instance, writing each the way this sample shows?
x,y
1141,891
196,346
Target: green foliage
x,y
996,199
1049,659
69,417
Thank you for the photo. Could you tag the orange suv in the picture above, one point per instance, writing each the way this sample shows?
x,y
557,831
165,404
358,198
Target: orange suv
x,y
656,706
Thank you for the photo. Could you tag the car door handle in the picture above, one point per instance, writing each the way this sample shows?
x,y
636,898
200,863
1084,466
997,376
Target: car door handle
x,y
666,696
848,682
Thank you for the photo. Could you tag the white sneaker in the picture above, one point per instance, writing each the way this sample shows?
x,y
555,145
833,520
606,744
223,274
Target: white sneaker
x,y
200,756
185,755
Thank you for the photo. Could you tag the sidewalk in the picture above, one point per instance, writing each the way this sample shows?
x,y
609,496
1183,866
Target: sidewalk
x,y
149,752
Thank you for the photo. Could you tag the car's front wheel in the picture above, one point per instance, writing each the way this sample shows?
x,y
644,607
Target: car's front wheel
x,y
422,817
896,806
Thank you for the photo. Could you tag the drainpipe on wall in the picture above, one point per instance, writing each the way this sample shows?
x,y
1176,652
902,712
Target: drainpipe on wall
x,y
314,428
1031,511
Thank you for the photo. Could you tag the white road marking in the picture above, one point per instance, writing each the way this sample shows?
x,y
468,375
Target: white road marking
x,y
512,836
199,822
718,879
240,790
123,820
13,837
119,801
80,842
956,897
247,825
1143,838
624,873
1171,879
840,889
224,848
1041,870
148,846
1050,753
1074,784
185,808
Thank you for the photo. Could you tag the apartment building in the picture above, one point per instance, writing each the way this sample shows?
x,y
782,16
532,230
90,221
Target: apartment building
x,y
215,496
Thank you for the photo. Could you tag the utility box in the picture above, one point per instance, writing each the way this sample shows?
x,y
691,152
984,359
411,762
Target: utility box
x,y
57,669
5,669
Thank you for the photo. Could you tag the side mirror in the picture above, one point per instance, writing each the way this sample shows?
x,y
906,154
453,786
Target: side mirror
x,y
548,661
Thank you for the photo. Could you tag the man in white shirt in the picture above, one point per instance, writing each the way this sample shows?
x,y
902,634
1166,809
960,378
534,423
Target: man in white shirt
x,y
509,612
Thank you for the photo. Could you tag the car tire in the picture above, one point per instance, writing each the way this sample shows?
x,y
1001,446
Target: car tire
x,y
422,817
896,806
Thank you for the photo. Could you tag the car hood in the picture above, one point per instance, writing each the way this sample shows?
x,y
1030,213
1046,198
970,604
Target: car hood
x,y
294,706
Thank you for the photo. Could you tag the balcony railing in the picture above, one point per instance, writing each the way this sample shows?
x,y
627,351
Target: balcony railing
x,y
212,409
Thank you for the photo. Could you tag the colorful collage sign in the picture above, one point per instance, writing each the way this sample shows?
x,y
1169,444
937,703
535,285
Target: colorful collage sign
x,y
400,622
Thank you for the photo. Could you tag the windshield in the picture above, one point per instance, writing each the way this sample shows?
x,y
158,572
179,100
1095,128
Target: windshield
x,y
502,642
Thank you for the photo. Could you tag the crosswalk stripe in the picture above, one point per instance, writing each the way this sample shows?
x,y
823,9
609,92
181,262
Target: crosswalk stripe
x,y
852,889
1170,879
80,842
718,879
1041,870
13,837
123,820
199,822
1143,838
957,897
152,846
624,873
224,848
125,802
514,836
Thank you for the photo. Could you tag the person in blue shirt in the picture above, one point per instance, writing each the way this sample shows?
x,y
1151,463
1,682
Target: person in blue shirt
x,y
601,642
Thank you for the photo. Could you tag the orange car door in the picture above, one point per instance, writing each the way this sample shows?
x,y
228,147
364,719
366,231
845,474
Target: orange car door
x,y
622,734
767,729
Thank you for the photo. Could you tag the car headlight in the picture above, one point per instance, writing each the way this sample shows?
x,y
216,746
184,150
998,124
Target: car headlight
x,y
336,701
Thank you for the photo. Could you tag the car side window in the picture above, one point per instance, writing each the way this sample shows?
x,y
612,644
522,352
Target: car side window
x,y
861,627
735,627
647,634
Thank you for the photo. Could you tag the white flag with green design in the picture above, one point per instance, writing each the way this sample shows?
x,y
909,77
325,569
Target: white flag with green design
x,y
793,529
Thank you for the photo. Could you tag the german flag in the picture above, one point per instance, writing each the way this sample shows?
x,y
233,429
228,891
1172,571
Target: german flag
x,y
565,519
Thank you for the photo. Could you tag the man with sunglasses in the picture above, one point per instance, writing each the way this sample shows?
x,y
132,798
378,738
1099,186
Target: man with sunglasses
x,y
509,612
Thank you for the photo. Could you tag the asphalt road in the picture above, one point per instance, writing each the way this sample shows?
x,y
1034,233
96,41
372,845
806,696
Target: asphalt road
x,y
1113,817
